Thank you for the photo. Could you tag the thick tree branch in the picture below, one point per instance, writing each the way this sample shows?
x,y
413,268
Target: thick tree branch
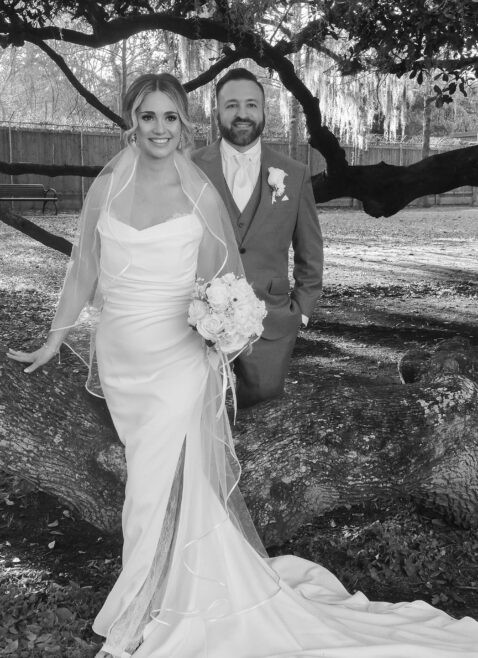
x,y
122,28
33,231
229,58
385,189
312,32
18,168
83,91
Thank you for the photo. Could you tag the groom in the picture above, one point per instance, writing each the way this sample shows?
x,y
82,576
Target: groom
x,y
271,204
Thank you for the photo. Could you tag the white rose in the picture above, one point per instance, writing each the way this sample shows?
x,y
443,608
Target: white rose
x,y
217,295
229,278
242,289
232,343
242,318
229,325
276,180
197,310
210,326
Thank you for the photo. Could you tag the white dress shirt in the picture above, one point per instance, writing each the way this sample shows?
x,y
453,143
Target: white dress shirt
x,y
231,164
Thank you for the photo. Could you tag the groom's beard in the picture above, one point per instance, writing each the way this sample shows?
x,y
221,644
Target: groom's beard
x,y
241,136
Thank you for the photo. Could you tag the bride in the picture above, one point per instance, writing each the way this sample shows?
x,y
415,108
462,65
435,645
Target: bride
x,y
196,581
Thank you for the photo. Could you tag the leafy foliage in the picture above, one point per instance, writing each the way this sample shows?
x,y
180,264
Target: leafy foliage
x,y
39,618
395,549
406,35
409,36
46,611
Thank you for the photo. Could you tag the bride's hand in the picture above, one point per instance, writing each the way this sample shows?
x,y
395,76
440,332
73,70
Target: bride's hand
x,y
37,358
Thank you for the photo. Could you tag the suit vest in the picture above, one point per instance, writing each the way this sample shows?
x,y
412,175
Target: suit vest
x,y
242,221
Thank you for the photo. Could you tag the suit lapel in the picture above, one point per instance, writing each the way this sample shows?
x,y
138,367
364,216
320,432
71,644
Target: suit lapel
x,y
211,164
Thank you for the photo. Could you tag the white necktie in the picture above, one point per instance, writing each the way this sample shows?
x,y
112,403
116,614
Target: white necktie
x,y
241,186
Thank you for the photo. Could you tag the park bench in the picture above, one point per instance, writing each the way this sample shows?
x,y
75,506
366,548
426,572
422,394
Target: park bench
x,y
28,192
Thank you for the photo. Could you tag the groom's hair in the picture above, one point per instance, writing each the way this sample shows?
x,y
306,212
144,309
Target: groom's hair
x,y
238,74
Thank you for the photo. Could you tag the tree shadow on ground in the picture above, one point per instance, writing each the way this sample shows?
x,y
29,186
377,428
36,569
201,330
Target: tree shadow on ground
x,y
393,327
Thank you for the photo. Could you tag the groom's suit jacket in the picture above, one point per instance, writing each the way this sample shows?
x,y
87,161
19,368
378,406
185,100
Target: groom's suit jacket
x,y
265,231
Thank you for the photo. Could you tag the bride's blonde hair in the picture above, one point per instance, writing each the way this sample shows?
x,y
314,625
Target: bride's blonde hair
x,y
167,84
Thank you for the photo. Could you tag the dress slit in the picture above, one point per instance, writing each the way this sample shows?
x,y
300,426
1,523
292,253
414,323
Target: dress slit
x,y
126,633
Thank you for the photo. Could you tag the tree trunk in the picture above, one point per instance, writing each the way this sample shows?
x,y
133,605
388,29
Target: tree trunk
x,y
302,455
124,72
294,109
213,131
427,123
426,129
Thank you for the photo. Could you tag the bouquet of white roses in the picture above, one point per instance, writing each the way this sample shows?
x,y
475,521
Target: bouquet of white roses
x,y
227,313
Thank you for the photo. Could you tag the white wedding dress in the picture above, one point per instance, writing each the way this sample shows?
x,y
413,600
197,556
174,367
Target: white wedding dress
x,y
192,586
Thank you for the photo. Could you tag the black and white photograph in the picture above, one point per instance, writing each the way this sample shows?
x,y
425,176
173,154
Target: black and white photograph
x,y
239,329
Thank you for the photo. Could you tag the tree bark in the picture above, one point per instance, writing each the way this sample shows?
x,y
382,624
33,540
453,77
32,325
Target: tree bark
x,y
294,106
18,168
33,231
55,435
305,454
385,189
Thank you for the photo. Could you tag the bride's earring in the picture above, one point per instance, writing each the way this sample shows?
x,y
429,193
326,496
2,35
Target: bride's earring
x,y
133,138
180,145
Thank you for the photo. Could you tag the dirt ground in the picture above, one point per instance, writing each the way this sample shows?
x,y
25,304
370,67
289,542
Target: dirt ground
x,y
389,285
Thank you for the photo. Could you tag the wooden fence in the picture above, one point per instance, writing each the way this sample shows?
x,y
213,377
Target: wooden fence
x,y
59,147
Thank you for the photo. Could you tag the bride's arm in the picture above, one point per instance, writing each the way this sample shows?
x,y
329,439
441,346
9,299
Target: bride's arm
x,y
83,269
78,287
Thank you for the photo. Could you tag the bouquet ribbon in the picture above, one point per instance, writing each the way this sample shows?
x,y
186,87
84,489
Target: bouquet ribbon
x,y
218,360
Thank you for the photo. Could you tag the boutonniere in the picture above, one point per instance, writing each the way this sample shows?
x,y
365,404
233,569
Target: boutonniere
x,y
276,181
